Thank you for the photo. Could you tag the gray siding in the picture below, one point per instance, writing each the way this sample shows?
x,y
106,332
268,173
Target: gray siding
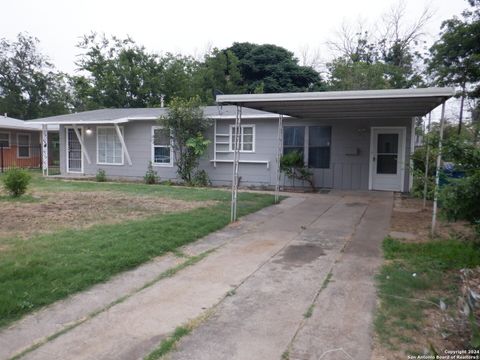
x,y
349,172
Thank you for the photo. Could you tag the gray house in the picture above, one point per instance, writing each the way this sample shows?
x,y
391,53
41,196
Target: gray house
x,y
354,140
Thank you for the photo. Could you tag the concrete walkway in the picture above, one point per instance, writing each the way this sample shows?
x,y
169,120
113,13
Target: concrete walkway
x,y
276,261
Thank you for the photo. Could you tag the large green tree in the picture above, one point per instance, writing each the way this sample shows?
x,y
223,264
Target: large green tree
x,y
219,73
30,87
455,57
270,68
116,73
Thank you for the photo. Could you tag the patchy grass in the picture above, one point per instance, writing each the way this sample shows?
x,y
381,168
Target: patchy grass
x,y
411,283
168,344
44,268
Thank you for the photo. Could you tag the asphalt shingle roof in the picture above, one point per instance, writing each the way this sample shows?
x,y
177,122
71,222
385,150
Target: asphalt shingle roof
x,y
108,115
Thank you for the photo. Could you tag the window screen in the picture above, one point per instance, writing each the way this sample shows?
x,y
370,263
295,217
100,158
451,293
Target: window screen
x,y
319,138
293,139
4,140
161,147
23,145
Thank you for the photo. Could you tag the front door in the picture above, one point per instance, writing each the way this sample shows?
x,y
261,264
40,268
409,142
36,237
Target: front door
x,y
74,151
387,159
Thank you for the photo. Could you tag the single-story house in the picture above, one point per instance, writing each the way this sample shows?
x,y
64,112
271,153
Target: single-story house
x,y
20,143
354,140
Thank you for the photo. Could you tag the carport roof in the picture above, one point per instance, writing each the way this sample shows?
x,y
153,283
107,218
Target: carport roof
x,y
363,104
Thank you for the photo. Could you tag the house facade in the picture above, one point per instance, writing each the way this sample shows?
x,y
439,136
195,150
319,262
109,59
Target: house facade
x,y
349,142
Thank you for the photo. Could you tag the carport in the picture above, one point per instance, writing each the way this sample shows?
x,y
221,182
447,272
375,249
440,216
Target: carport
x,y
338,105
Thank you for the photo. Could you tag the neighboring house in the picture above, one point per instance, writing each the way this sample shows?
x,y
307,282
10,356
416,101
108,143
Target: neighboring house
x,y
353,140
19,143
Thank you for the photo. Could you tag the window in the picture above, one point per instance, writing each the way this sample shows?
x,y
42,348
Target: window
x,y
293,139
109,147
161,147
23,145
319,138
247,138
5,139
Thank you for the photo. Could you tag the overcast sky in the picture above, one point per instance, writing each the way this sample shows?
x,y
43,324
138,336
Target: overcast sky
x,y
190,27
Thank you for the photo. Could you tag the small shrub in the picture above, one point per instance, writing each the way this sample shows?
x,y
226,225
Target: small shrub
x,y
16,181
460,199
151,176
293,166
201,179
101,176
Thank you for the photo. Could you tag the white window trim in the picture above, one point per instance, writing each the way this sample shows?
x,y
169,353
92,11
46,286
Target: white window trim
x,y
152,157
230,138
9,139
98,152
29,145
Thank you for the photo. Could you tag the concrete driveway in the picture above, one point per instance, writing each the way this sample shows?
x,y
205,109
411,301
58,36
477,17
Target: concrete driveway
x,y
296,279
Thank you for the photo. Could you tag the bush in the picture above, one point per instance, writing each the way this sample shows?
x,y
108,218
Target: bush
x,y
16,181
101,175
460,200
151,175
293,166
201,179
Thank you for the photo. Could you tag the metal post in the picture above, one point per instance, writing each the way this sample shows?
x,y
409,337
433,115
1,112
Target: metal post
x,y
427,158
44,150
279,156
236,160
1,156
437,171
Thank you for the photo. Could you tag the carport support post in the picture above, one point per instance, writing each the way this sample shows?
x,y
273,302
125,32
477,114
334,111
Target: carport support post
x,y
236,160
427,158
279,156
44,149
437,171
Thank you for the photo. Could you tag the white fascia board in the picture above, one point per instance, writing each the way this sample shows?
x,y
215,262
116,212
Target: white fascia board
x,y
262,116
338,95
84,122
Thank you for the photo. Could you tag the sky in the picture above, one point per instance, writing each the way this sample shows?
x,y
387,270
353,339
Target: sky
x,y
192,27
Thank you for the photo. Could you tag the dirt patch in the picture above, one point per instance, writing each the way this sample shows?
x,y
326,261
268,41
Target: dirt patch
x,y
419,222
78,210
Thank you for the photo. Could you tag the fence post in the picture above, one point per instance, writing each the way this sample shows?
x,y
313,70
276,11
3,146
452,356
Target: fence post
x,y
1,156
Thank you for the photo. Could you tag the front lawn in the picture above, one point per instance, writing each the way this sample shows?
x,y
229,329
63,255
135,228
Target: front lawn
x,y
418,287
97,231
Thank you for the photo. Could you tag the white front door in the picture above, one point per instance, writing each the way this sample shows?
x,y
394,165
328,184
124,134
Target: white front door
x,y
387,158
74,151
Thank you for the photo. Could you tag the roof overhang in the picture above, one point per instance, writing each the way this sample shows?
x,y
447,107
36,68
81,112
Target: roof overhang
x,y
363,104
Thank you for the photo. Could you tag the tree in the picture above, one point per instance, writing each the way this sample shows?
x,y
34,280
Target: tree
x,y
455,57
270,69
386,58
119,73
219,73
29,85
185,124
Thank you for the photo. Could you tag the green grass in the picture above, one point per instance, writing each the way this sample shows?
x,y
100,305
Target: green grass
x,y
412,278
43,269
